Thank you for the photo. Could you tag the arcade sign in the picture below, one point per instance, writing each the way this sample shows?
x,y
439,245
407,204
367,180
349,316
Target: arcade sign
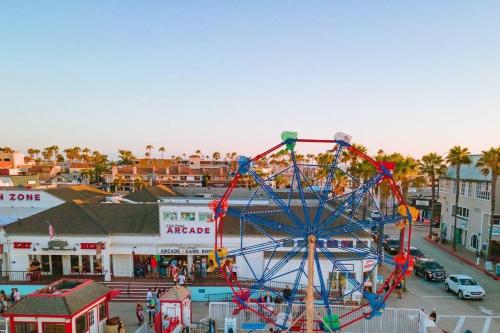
x,y
181,229
184,250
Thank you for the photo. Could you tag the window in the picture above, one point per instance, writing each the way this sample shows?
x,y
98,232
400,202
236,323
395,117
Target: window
x,y
187,216
26,327
443,186
466,188
460,211
86,264
474,242
91,317
81,324
205,217
332,243
288,243
454,187
97,264
346,243
170,216
45,263
483,190
75,264
361,244
496,220
102,311
53,328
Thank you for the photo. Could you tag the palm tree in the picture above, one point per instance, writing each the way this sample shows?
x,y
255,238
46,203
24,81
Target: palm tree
x,y
7,150
490,162
198,152
281,181
433,166
149,148
47,153
162,150
31,152
457,156
216,156
125,157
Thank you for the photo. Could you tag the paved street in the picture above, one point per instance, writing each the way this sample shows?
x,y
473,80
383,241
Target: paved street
x,y
429,295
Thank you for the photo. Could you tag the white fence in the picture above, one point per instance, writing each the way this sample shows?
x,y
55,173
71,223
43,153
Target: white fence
x,y
391,320
3,326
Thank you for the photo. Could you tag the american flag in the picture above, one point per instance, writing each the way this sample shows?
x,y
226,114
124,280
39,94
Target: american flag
x,y
52,232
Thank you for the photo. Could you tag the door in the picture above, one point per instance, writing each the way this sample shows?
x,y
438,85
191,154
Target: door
x,y
454,284
57,266
93,322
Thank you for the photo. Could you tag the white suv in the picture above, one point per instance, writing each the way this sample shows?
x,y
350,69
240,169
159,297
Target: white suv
x,y
464,286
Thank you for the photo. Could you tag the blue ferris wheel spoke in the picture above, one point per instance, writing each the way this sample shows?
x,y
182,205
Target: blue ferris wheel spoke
x,y
325,295
283,261
286,209
340,267
328,184
359,225
266,246
261,221
301,190
355,195
295,287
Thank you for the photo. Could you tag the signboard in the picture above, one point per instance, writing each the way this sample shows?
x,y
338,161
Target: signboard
x,y
495,231
19,196
348,267
184,250
421,202
368,264
90,246
462,223
380,279
488,265
22,245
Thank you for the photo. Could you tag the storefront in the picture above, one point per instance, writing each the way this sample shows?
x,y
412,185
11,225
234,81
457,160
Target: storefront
x,y
143,240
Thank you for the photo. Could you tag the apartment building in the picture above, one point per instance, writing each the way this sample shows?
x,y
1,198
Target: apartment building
x,y
473,210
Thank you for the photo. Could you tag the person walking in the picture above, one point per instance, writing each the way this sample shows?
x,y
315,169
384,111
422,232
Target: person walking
x,y
398,288
151,305
433,315
182,279
139,312
287,293
149,295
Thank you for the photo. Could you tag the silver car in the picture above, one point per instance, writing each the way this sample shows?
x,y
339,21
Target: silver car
x,y
464,286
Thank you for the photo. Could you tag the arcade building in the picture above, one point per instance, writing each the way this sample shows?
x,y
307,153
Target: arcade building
x,y
125,239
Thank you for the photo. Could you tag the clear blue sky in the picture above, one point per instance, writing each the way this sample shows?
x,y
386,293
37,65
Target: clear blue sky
x,y
409,76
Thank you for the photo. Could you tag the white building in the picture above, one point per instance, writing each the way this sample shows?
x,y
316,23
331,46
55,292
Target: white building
x,y
474,207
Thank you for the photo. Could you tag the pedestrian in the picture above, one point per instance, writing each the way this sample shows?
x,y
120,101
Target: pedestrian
x,y
149,295
368,285
182,279
12,295
287,293
121,327
3,305
151,305
433,315
399,286
3,295
139,312
17,295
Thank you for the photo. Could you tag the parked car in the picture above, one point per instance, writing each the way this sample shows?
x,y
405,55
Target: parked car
x,y
429,269
464,286
392,245
416,253
375,236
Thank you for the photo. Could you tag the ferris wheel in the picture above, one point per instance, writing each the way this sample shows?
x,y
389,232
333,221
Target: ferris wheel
x,y
304,225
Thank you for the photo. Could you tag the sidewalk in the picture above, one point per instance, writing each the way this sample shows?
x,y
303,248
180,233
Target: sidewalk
x,y
463,255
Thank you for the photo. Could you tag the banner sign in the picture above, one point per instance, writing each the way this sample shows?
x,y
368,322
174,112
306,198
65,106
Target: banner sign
x,y
184,250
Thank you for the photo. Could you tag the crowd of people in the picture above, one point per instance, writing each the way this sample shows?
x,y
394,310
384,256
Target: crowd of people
x,y
6,301
158,266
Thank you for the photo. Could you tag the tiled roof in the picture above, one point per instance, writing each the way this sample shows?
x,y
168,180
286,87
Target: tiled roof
x,y
78,218
468,171
152,194
77,192
67,304
178,293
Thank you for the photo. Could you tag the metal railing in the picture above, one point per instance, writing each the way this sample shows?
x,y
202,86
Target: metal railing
x,y
391,320
27,277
